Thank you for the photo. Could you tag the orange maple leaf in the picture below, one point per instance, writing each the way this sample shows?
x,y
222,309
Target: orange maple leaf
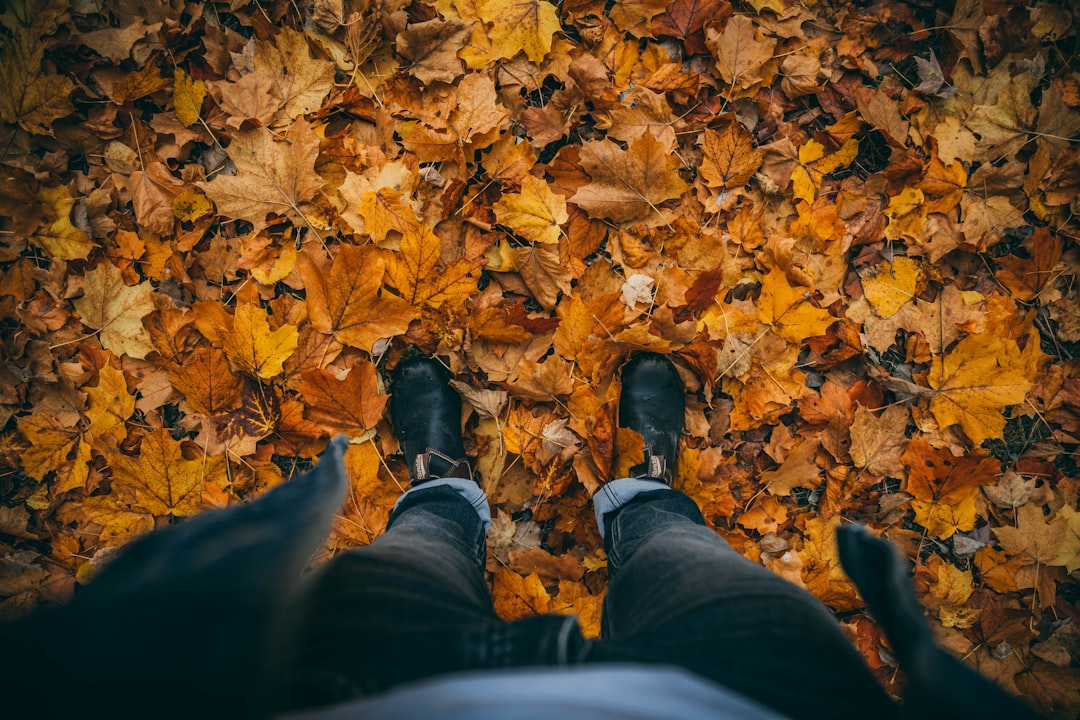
x,y
348,302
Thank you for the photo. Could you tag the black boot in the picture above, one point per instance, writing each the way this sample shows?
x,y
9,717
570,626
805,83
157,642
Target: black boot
x,y
653,403
426,413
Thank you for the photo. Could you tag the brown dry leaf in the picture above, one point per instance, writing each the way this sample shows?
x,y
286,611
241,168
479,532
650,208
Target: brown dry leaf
x,y
272,177
1011,491
628,185
1069,555
153,193
944,488
799,469
765,516
352,405
206,382
300,81
686,19
348,302
468,120
730,157
877,442
431,48
543,272
31,98
116,311
633,16
1035,539
741,57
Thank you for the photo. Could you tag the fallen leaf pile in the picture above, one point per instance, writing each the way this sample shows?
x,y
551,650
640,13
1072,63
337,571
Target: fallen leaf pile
x,y
853,227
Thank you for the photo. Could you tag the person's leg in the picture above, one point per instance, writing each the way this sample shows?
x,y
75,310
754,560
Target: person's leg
x,y
679,594
395,610
414,603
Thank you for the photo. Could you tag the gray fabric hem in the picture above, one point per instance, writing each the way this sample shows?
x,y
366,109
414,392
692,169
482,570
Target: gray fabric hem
x,y
468,489
618,493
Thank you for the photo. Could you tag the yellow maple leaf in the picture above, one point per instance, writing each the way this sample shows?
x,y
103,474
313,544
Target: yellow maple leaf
x,y
585,330
519,25
119,524
575,598
254,347
814,164
945,520
370,500
907,215
535,213
57,236
51,444
892,284
517,597
948,590
188,96
767,392
116,310
108,406
161,480
383,211
821,571
981,376
786,309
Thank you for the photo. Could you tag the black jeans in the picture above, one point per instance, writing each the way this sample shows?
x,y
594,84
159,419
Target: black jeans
x,y
415,604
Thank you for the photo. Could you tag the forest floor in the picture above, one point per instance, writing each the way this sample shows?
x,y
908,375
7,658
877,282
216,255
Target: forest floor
x,y
854,229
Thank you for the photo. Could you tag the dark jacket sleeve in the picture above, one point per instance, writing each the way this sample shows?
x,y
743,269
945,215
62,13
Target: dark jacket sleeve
x,y
186,622
938,684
